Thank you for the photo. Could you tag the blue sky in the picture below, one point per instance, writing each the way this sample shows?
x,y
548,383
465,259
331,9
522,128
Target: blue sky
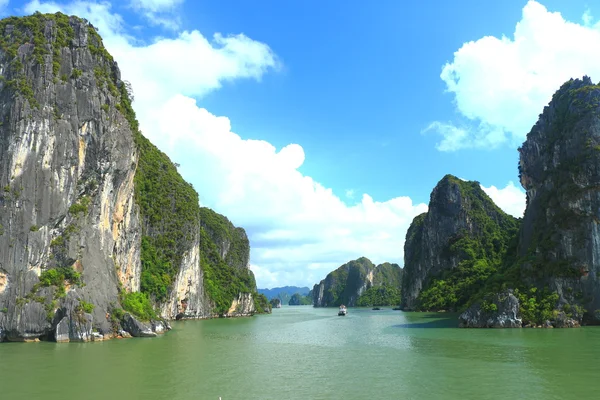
x,y
322,127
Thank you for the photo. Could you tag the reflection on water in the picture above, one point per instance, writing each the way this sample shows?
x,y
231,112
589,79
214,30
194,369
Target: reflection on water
x,y
307,353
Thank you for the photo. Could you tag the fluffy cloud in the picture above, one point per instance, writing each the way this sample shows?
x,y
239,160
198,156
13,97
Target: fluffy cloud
x,y
156,5
159,12
501,85
511,199
299,229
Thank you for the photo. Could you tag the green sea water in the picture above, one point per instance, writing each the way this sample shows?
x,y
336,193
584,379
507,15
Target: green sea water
x,y
307,353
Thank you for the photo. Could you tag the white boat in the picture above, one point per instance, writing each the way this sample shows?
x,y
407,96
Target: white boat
x,y
343,311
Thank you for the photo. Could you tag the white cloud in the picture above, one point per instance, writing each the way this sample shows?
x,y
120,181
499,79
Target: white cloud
x,y
511,199
453,137
159,12
299,229
456,138
502,84
156,5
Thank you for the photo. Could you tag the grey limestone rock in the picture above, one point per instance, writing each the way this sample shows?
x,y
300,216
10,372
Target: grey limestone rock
x,y
67,162
503,314
75,328
137,328
352,280
559,168
457,209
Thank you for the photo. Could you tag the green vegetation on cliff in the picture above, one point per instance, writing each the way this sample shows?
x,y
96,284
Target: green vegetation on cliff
x,y
342,284
225,278
387,280
261,303
361,283
574,110
379,296
298,300
479,252
170,213
171,217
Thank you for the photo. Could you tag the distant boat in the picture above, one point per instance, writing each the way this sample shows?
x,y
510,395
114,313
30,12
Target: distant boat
x,y
343,311
376,308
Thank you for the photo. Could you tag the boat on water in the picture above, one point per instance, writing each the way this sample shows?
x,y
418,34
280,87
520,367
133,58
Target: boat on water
x,y
343,311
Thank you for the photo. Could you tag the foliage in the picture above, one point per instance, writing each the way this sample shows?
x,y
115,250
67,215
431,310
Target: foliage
x,y
30,29
537,306
50,309
388,274
379,296
298,300
169,210
117,313
56,277
34,228
81,207
85,307
343,283
261,303
138,304
479,252
222,281
156,271
275,302
170,214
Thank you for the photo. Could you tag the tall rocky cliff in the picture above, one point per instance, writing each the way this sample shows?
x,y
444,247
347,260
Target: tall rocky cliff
x,y
355,279
553,276
454,247
549,273
559,243
94,219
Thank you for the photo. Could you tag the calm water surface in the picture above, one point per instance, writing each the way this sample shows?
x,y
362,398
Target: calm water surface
x,y
306,353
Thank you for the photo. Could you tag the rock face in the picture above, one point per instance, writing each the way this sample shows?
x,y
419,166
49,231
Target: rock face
x,y
89,208
555,268
137,328
275,303
500,312
67,167
462,238
559,243
299,300
349,282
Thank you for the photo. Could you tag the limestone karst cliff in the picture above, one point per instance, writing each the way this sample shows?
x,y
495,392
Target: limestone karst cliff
x,y
453,248
98,231
559,243
350,282
555,268
549,274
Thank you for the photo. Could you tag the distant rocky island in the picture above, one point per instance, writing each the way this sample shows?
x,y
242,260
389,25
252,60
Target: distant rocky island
x,y
285,293
360,283
299,300
465,254
100,236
